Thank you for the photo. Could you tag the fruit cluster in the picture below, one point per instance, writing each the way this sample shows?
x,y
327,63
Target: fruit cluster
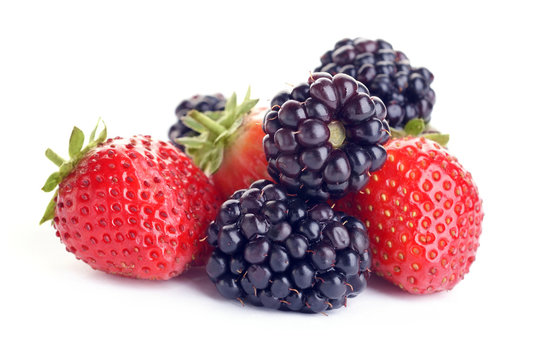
x,y
289,207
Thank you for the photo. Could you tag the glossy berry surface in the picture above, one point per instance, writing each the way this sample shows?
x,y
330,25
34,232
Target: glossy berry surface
x,y
202,103
388,74
275,250
325,137
423,214
135,207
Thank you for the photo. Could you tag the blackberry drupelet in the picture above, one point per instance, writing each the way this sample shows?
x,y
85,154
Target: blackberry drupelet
x,y
325,137
388,74
278,251
201,103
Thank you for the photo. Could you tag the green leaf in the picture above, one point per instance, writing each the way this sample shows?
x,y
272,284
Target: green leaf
x,y
441,139
222,136
216,160
75,142
247,95
246,106
415,127
214,115
102,135
49,211
55,158
236,125
52,181
92,135
192,142
193,124
216,129
65,169
207,122
231,104
76,152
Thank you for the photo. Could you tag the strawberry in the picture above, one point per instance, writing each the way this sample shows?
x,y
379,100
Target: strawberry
x,y
227,145
423,215
135,207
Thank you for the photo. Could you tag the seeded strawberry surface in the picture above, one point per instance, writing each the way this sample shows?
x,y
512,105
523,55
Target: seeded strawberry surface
x,y
135,207
423,215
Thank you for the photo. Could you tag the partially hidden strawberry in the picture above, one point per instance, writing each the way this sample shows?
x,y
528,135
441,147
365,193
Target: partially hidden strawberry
x,y
135,207
423,214
227,145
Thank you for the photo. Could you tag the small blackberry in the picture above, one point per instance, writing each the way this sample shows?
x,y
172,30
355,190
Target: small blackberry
x,y
278,251
201,103
325,137
388,74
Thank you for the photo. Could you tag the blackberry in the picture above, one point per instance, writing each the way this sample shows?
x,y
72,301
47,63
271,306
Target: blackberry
x,y
279,251
325,136
202,103
388,74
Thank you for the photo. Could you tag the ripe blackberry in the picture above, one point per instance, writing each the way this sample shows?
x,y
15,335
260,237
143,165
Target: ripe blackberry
x,y
404,89
325,136
201,103
278,251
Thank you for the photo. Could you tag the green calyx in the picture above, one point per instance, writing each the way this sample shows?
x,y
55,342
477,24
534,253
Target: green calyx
x,y
76,152
214,131
417,127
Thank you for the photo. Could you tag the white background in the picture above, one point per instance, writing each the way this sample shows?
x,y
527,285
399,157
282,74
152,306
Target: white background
x,y
68,63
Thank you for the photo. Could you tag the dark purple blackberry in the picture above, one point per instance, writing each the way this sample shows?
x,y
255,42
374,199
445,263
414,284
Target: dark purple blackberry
x,y
278,251
404,89
202,103
325,137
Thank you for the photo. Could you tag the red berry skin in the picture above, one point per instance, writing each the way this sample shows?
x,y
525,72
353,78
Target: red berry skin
x,y
423,215
136,207
244,158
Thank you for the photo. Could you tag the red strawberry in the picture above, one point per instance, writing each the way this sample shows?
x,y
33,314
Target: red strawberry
x,y
227,144
135,207
423,215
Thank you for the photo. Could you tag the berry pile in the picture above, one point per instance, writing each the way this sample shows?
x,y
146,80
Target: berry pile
x,y
203,103
278,251
325,137
387,73
353,142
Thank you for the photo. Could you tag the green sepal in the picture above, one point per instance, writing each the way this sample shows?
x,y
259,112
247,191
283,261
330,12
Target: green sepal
x,y
49,211
192,124
76,152
231,104
417,127
52,181
193,142
441,139
214,131
102,135
75,142
55,158
215,159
